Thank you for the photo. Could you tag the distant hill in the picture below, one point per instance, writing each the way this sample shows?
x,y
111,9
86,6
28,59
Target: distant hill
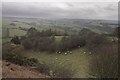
x,y
71,26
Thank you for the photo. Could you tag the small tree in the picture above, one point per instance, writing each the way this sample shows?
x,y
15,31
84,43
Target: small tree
x,y
31,31
16,40
27,44
117,32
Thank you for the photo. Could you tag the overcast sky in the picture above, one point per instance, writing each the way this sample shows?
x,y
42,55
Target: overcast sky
x,y
71,10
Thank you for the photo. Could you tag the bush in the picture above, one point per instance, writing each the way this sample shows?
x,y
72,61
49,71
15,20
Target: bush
x,y
16,40
69,43
27,43
104,62
42,41
39,44
12,48
12,24
55,70
52,69
20,60
95,40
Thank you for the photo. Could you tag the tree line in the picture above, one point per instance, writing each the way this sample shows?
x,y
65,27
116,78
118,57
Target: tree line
x,y
45,40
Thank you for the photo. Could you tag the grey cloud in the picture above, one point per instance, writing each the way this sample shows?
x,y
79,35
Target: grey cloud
x,y
92,10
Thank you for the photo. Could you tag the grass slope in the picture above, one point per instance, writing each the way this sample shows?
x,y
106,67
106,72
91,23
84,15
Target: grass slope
x,y
78,60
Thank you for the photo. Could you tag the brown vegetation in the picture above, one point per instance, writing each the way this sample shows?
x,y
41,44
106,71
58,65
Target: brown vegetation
x,y
10,70
104,62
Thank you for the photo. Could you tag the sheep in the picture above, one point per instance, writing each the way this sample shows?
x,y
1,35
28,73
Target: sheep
x,y
65,53
84,52
67,59
90,53
59,52
112,40
56,58
70,52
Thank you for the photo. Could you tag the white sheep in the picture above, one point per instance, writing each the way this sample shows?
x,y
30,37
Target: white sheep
x,y
56,58
90,53
70,52
65,53
59,52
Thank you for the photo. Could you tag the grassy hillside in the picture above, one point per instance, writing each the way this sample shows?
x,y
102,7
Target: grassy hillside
x,y
79,60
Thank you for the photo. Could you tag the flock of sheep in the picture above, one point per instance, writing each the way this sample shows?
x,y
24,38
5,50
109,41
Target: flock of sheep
x,y
69,52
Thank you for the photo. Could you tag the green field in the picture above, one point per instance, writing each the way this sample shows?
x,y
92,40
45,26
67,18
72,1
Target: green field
x,y
5,40
78,60
58,38
16,32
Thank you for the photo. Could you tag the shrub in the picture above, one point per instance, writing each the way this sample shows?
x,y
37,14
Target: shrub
x,y
16,40
68,43
117,32
27,43
20,60
55,70
60,71
104,62
12,48
43,68
95,40
6,48
12,24
40,44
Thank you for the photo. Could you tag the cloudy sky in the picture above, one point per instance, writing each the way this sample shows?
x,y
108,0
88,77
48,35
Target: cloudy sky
x,y
70,10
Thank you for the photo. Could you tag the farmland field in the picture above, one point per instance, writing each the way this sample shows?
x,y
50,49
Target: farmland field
x,y
72,27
